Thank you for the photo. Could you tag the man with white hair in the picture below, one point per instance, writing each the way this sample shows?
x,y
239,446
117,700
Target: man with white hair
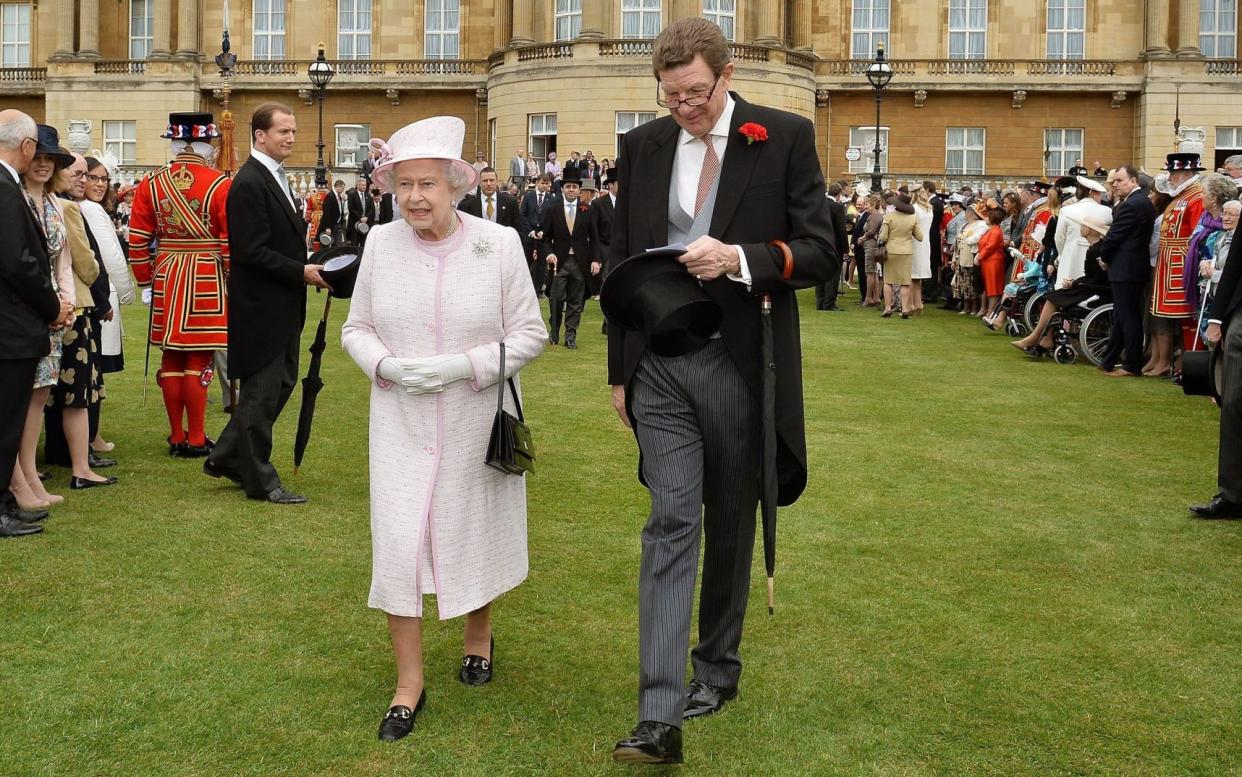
x,y
30,306
1233,168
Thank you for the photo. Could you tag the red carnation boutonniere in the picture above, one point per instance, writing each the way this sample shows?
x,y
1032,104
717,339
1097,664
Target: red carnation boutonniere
x,y
753,132
583,208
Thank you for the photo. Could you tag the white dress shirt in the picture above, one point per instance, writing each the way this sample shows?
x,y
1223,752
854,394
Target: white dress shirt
x,y
16,178
276,170
688,165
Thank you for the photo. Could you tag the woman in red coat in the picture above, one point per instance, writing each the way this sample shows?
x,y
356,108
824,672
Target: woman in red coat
x,y
992,257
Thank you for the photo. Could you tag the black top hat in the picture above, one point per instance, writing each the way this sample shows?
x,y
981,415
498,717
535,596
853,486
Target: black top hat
x,y
49,143
572,175
1202,373
191,127
1038,187
610,174
652,293
1181,162
340,267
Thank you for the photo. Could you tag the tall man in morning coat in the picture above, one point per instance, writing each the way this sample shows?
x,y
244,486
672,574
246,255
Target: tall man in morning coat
x,y
29,305
697,417
267,305
566,232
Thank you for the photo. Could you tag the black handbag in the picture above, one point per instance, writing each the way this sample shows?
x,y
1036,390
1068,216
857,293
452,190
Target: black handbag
x,y
511,449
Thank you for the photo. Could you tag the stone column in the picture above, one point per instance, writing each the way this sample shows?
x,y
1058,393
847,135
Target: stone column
x,y
187,29
768,29
594,19
504,24
88,29
161,43
64,30
802,25
523,23
1188,30
1158,30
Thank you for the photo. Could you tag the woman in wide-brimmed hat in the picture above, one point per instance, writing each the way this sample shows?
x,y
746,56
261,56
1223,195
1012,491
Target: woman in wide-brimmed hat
x,y
437,294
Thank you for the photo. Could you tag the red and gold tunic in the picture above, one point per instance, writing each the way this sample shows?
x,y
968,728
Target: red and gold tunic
x,y
314,213
180,208
1031,247
1169,296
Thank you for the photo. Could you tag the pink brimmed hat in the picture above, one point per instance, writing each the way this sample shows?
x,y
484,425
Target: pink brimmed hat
x,y
440,137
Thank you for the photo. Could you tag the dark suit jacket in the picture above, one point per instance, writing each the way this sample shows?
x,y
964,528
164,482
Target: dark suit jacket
x,y
27,302
780,183
841,238
331,219
506,208
530,217
557,238
1229,290
1126,246
937,256
602,212
359,206
384,213
267,256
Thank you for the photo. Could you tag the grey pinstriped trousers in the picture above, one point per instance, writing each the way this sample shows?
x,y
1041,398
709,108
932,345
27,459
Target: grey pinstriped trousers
x,y
1229,469
698,429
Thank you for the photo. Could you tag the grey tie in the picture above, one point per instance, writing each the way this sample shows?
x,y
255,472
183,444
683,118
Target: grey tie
x,y
284,183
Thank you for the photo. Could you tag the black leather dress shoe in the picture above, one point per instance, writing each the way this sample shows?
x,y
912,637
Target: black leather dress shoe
x,y
571,345
477,670
1218,508
280,496
99,462
77,483
12,526
188,451
651,743
31,516
216,471
703,699
399,720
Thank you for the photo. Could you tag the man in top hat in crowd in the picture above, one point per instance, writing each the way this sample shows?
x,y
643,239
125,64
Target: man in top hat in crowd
x,y
30,306
567,242
1035,213
267,305
491,203
181,209
1172,308
602,209
710,175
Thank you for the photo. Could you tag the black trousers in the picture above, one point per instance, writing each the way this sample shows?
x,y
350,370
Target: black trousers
x,y
567,299
16,386
538,267
1229,468
860,267
826,292
245,445
1127,333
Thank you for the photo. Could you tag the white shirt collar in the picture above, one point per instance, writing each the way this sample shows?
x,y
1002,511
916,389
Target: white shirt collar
x,y
721,128
271,164
1185,184
12,171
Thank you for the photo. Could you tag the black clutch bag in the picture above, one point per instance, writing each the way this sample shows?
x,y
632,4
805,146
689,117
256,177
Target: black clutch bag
x,y
511,448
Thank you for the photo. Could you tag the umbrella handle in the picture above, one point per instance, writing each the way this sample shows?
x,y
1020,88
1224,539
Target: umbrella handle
x,y
771,594
765,303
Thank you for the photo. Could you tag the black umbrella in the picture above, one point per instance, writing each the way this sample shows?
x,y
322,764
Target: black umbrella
x,y
769,447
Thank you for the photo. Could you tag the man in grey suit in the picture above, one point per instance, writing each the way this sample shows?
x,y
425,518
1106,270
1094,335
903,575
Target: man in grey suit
x,y
517,169
684,178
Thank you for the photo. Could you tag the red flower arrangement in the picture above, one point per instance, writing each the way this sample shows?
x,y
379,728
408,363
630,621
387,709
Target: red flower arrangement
x,y
753,132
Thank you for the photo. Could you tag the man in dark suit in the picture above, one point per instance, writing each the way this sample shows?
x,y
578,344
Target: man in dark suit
x,y
1126,251
30,306
381,202
361,211
267,306
530,224
567,245
931,286
335,209
602,209
492,204
750,207
826,292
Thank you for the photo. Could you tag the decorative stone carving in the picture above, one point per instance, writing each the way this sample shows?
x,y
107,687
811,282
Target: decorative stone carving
x,y
305,96
821,98
393,95
1019,97
1119,97
920,97
79,138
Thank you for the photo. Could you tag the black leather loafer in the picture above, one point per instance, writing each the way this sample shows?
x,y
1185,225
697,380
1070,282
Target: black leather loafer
x,y
77,483
477,670
12,526
99,462
398,722
31,516
651,742
1219,508
571,345
703,699
216,471
188,451
279,496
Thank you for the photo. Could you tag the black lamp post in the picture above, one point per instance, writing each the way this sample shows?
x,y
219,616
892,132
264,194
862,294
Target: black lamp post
x,y
879,74
320,72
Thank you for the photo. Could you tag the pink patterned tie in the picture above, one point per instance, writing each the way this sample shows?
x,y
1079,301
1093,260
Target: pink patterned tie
x,y
707,177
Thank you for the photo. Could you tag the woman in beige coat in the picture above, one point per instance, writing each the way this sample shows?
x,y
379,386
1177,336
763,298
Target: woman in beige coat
x,y
897,234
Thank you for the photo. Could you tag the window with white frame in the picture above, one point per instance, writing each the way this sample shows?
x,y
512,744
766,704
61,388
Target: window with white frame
x,y
351,144
269,29
141,34
542,136
1067,28
640,18
121,141
443,29
628,120
15,35
722,13
968,29
1229,137
870,27
963,150
568,19
353,29
864,138
1218,28
1061,148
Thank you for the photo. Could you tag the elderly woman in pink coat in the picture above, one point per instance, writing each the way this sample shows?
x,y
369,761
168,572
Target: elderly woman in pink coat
x,y
437,292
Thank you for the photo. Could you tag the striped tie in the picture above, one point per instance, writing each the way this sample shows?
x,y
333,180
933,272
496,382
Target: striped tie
x,y
707,177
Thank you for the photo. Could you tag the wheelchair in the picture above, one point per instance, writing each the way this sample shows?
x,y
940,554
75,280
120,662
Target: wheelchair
x,y
1018,311
1083,329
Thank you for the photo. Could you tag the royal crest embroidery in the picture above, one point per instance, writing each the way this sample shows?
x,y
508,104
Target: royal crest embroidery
x,y
182,178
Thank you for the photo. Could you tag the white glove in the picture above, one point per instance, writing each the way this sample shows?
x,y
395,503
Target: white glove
x,y
394,369
432,373
1037,234
1015,253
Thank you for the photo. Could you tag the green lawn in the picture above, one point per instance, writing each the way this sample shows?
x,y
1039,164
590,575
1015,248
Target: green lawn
x,y
991,572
